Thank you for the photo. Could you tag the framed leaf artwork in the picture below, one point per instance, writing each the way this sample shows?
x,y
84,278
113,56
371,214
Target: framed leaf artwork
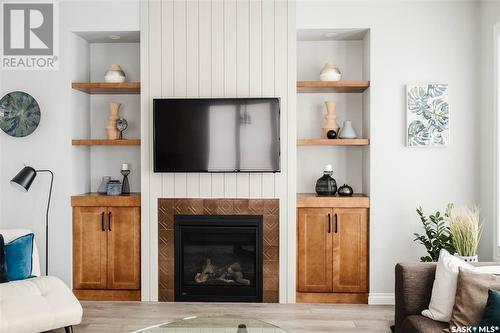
x,y
427,115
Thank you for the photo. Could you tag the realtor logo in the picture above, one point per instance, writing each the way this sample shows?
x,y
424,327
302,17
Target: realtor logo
x,y
30,36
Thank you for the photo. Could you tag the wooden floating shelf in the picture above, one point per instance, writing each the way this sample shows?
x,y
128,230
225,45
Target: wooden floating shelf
x,y
333,142
312,200
99,142
105,88
352,86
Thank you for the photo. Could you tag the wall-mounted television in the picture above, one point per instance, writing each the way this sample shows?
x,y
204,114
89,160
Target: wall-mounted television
x,y
216,135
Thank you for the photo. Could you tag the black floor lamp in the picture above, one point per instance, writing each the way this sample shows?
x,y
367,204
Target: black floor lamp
x,y
23,181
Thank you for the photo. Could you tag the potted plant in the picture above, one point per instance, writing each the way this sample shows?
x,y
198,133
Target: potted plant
x,y
437,234
466,231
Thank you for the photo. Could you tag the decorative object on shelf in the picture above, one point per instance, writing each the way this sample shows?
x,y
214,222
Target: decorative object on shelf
x,y
23,181
114,115
466,231
326,185
345,191
427,114
121,125
331,134
125,172
103,187
19,114
115,74
114,187
347,131
437,234
330,123
330,72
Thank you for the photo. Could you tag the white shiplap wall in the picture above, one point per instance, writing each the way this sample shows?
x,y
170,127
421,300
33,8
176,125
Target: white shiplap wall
x,y
218,48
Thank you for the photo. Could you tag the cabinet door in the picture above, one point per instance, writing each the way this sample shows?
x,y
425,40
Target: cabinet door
x,y
314,250
124,230
89,248
350,250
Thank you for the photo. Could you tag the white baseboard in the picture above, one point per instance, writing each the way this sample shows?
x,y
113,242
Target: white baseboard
x,y
381,299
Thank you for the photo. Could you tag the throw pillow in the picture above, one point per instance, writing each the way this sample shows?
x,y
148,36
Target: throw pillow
x,y
3,263
491,316
19,254
445,286
471,297
11,234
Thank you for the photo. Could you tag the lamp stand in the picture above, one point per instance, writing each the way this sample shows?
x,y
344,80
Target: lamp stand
x,y
47,221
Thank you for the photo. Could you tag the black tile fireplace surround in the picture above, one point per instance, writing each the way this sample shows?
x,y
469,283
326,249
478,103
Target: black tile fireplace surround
x,y
218,258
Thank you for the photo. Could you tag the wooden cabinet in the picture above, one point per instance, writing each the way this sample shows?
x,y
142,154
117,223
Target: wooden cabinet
x,y
89,248
350,250
124,264
332,254
106,247
315,250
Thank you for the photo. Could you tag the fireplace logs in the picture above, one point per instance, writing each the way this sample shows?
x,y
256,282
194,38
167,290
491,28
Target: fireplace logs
x,y
213,274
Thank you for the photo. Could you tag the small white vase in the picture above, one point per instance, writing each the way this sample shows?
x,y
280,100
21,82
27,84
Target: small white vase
x,y
330,72
347,131
468,258
115,74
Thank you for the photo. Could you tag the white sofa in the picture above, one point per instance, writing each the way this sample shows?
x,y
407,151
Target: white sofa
x,y
38,304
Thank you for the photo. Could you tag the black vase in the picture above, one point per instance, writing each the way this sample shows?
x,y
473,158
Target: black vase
x,y
345,190
326,185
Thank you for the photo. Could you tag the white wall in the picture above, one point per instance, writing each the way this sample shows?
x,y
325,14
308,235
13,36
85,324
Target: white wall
x,y
50,145
412,41
490,15
218,49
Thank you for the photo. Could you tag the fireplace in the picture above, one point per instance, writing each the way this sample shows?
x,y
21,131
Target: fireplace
x,y
169,209
218,258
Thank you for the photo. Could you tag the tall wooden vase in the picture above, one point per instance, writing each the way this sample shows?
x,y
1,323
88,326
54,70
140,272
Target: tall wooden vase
x,y
330,119
114,115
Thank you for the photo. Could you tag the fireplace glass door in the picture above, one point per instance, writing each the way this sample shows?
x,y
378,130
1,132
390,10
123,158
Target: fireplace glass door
x,y
218,258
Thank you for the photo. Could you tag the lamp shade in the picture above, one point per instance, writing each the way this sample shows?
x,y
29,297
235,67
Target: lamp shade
x,y
24,179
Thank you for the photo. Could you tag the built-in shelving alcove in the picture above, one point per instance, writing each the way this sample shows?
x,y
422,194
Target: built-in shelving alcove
x,y
111,222
104,157
333,231
348,49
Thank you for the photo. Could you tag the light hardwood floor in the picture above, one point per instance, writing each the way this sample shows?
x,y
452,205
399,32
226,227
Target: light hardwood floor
x,y
100,317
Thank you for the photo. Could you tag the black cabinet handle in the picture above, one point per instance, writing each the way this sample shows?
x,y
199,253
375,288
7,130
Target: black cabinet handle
x,y
329,223
102,221
336,223
109,221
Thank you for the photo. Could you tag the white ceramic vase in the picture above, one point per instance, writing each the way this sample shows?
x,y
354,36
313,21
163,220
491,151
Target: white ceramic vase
x,y
115,74
347,131
468,258
330,72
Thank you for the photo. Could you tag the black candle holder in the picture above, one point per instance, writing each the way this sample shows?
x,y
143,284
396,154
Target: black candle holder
x,y
125,183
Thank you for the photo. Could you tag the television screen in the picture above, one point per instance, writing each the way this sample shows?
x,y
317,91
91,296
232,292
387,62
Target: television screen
x,y
217,135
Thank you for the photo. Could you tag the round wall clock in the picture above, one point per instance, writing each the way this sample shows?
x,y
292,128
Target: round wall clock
x,y
19,114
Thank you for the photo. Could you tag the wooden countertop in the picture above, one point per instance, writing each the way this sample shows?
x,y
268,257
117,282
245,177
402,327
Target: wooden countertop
x,y
96,199
312,200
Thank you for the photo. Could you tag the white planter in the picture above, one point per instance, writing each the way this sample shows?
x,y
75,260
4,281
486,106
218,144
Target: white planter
x,y
468,258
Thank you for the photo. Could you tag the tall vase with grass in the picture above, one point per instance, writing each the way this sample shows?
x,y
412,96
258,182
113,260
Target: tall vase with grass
x,y
466,231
